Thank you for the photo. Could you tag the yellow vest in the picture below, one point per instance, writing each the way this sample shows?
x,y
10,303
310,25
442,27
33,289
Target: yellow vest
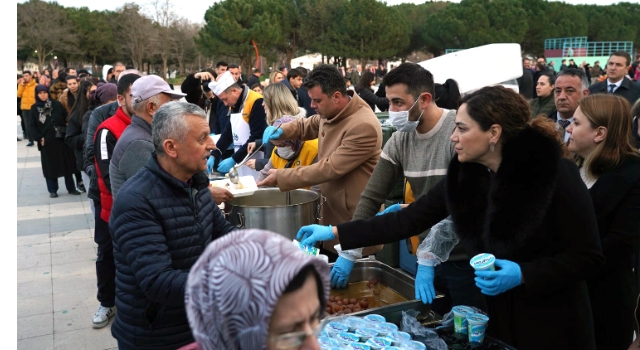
x,y
409,198
306,156
248,104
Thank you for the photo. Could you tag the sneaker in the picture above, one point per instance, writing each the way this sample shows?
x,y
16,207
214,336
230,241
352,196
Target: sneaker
x,y
53,195
29,144
102,316
81,187
75,192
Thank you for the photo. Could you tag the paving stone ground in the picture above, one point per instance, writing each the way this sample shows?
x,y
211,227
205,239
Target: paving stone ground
x,y
56,264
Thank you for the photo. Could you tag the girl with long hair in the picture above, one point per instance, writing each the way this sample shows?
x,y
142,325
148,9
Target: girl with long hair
x,y
278,103
365,91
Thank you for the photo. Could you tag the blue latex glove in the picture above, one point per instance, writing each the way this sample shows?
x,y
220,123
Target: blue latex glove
x,y
340,272
310,234
496,282
390,209
270,133
226,165
210,162
424,284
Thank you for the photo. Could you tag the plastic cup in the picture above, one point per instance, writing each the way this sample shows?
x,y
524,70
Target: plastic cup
x,y
477,326
482,262
460,319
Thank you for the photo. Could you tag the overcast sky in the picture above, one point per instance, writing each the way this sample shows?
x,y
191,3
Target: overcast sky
x,y
194,10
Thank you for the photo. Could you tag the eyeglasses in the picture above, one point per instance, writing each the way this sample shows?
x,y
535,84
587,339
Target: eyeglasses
x,y
294,340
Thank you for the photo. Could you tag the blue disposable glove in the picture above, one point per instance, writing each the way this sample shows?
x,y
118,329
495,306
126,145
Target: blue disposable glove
x,y
270,133
424,284
310,234
390,209
340,272
226,165
210,162
496,282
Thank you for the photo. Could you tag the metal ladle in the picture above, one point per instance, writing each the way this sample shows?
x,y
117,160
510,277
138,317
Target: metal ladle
x,y
233,172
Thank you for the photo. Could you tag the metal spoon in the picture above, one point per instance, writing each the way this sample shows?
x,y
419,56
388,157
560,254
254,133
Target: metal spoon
x,y
233,172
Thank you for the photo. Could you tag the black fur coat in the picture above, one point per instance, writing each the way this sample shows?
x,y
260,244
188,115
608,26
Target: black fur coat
x,y
535,211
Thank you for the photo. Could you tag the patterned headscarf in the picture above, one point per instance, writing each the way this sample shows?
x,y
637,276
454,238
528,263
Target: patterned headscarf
x,y
234,287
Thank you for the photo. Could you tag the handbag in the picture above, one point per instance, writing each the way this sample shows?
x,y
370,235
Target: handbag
x,y
60,131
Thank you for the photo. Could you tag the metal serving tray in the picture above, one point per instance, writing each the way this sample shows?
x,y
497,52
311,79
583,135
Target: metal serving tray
x,y
367,269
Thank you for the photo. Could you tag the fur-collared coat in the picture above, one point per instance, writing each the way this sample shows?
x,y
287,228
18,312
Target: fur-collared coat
x,y
535,211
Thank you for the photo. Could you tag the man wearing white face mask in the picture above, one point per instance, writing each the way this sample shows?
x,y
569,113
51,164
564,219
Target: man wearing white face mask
x,y
420,151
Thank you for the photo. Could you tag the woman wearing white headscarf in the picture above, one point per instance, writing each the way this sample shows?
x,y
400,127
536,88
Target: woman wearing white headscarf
x,y
254,289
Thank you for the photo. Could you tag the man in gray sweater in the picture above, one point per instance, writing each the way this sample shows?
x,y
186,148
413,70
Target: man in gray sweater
x,y
420,150
135,145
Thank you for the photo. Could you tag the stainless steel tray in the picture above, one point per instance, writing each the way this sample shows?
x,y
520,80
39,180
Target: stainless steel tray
x,y
402,283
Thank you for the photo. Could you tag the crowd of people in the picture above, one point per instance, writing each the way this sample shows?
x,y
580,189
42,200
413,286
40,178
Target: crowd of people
x,y
549,185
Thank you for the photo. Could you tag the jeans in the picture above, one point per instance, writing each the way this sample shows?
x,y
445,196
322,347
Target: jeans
x,y
105,265
52,184
24,122
455,280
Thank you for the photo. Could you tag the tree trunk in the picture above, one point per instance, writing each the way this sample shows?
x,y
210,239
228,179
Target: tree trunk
x,y
164,68
94,68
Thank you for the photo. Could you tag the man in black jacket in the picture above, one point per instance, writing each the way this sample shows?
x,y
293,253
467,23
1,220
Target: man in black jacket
x,y
162,220
616,82
254,78
294,84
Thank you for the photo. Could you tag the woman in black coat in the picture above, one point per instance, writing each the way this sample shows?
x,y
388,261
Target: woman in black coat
x,y
610,167
74,138
365,92
56,158
511,194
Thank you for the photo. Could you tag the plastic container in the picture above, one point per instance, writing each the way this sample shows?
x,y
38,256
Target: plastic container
x,y
334,328
378,343
375,318
347,338
358,346
386,328
366,333
326,342
460,318
483,262
477,325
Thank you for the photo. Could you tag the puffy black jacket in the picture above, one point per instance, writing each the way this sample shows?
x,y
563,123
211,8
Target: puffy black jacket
x,y
160,226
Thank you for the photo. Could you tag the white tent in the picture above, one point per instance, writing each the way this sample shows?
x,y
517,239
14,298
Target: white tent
x,y
307,61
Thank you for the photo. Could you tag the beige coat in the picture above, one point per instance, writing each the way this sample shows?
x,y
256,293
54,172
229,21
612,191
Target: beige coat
x,y
349,147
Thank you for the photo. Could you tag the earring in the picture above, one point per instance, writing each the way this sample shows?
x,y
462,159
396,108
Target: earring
x,y
492,147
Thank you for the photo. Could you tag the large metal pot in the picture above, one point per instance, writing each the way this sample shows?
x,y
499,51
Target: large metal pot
x,y
267,209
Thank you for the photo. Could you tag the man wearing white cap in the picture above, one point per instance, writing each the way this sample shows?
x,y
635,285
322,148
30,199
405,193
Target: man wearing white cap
x,y
135,145
247,121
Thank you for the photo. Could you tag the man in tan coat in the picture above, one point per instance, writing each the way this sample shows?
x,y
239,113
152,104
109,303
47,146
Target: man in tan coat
x,y
349,145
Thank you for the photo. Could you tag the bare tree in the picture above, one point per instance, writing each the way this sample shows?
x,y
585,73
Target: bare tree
x,y
183,47
135,32
44,28
164,18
